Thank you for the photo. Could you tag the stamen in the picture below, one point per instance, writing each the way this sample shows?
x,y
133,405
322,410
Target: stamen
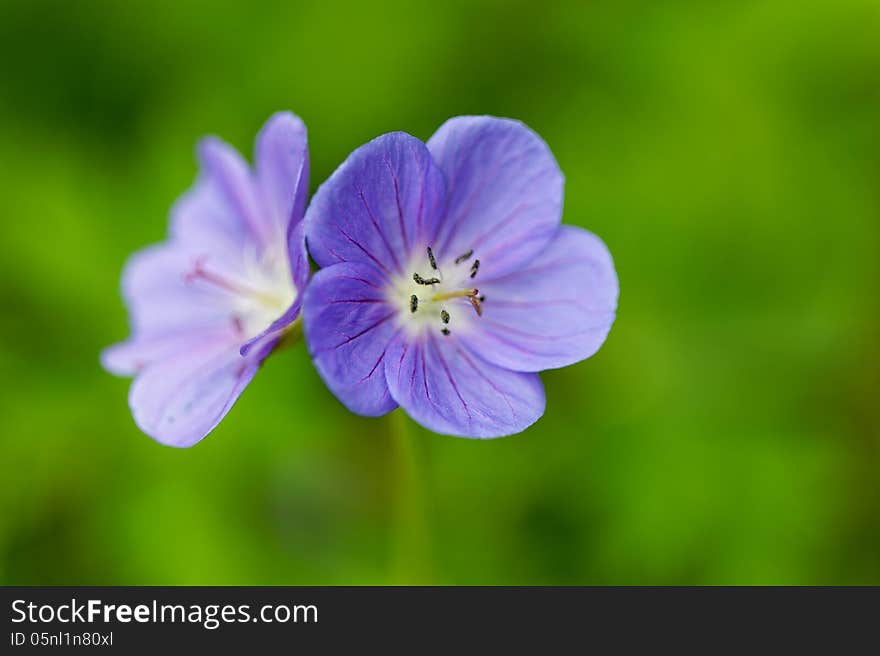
x,y
466,256
444,316
475,267
445,331
431,259
200,273
477,306
421,281
413,303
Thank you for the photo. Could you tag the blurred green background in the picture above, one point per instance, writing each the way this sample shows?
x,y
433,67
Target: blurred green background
x,y
727,433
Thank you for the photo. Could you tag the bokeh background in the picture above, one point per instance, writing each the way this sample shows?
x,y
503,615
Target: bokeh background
x,y
727,433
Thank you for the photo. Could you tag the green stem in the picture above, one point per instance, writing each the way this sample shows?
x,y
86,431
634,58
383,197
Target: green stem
x,y
410,539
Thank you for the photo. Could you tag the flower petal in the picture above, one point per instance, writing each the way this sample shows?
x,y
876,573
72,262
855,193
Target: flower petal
x,y
202,221
223,211
553,312
447,389
504,191
383,203
180,400
130,357
162,297
299,266
348,326
282,171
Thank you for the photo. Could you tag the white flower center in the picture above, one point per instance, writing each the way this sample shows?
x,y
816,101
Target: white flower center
x,y
268,274
258,293
438,295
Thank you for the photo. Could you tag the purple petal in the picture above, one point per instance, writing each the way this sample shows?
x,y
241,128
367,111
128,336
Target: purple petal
x,y
202,221
180,400
223,211
130,357
300,268
381,205
555,311
348,326
279,324
504,191
282,171
163,297
444,387
299,264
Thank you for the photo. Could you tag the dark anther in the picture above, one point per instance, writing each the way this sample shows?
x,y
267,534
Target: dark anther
x,y
444,316
445,331
475,267
431,259
466,256
413,303
482,299
421,281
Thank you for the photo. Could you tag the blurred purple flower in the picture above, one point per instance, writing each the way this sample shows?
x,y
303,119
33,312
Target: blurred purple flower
x,y
210,303
448,280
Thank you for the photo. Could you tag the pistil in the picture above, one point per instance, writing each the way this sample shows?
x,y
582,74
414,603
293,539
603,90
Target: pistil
x,y
471,294
449,295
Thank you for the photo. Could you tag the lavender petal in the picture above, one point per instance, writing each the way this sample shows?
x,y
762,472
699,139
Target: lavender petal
x,y
178,401
447,389
555,311
505,191
380,206
348,325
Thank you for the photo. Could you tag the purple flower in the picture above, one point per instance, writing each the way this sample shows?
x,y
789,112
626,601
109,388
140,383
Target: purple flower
x,y
448,280
210,303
